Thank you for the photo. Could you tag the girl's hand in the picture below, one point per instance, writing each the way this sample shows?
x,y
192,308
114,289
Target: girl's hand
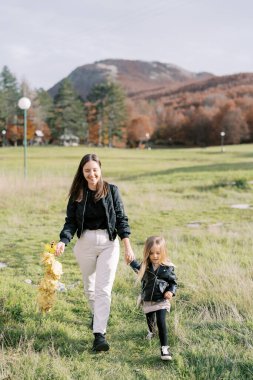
x,y
59,248
168,295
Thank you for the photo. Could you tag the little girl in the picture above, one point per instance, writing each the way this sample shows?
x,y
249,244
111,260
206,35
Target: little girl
x,y
159,285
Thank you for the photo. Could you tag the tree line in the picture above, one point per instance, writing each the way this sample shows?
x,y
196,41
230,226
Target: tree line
x,y
199,119
100,119
107,117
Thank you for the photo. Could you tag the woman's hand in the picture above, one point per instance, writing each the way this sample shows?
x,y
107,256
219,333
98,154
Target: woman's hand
x,y
129,254
59,248
168,295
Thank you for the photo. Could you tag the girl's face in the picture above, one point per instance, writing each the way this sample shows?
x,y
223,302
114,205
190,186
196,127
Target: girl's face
x,y
155,255
92,174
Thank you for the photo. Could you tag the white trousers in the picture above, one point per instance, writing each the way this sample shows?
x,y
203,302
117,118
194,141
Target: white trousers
x,y
98,258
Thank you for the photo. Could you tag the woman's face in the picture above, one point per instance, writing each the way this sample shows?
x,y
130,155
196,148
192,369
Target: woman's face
x,y
92,174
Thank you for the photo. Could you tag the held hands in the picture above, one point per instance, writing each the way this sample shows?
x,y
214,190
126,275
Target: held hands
x,y
168,295
59,248
129,255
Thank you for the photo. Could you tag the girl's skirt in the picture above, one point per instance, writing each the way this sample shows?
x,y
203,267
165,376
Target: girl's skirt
x,y
149,306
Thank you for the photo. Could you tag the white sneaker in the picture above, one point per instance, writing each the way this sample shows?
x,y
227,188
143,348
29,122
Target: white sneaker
x,y
165,353
150,335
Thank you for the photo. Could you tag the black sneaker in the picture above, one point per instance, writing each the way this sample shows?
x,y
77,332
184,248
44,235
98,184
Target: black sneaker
x,y
165,353
100,343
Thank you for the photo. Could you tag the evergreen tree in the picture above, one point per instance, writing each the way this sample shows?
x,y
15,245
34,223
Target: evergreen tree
x,y
109,100
68,112
9,95
43,107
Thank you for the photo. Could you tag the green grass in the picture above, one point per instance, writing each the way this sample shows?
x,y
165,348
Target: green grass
x,y
164,191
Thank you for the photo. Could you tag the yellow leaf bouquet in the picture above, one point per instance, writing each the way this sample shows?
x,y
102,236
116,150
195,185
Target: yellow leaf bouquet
x,y
48,285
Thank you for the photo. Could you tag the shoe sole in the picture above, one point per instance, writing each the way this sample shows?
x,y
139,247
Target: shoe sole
x,y
166,357
101,347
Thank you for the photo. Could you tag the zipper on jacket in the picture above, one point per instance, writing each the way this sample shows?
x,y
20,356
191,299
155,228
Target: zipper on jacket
x,y
84,207
156,276
107,214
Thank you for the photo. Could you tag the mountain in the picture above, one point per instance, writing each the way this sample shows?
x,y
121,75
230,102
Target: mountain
x,y
134,76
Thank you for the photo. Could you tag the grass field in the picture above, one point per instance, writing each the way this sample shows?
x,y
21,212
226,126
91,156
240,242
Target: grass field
x,y
185,195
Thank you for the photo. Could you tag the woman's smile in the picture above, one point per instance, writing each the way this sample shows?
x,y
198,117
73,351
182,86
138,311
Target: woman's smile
x,y
92,174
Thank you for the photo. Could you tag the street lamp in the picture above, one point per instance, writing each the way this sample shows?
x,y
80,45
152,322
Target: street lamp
x,y
3,137
24,104
147,135
222,135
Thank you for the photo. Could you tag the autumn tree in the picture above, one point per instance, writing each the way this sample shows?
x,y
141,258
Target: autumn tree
x,y
200,126
138,131
249,120
230,120
91,118
170,130
204,116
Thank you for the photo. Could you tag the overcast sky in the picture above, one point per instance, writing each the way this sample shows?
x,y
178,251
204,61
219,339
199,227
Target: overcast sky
x,y
43,41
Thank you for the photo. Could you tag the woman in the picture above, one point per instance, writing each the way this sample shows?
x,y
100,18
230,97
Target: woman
x,y
95,212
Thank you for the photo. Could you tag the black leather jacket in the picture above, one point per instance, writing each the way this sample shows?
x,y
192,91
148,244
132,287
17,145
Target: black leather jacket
x,y
116,219
156,283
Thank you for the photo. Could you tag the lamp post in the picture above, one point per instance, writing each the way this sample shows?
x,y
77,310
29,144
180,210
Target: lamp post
x,y
222,135
147,135
3,137
24,104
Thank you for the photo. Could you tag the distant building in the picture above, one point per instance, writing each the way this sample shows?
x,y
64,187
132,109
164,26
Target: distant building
x,y
38,137
69,140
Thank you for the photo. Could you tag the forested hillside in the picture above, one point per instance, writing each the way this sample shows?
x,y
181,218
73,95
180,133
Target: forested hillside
x,y
131,104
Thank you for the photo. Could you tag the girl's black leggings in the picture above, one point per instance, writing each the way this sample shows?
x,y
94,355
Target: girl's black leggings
x,y
160,317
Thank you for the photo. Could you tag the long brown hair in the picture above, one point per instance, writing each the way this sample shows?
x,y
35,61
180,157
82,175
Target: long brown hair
x,y
153,241
79,182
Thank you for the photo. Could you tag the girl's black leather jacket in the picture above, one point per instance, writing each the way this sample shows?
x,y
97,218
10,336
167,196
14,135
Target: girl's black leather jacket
x,y
156,283
116,219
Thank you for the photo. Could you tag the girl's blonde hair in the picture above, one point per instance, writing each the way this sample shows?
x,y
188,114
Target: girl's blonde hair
x,y
153,241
